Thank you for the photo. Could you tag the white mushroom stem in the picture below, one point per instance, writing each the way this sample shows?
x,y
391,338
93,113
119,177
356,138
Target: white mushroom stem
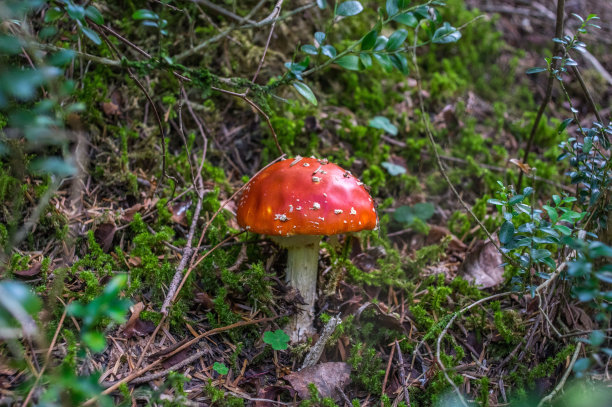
x,y
302,266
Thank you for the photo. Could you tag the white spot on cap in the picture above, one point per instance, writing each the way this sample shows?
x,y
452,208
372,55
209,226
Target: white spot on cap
x,y
316,179
322,218
290,208
337,211
353,211
282,217
306,165
298,208
297,160
316,205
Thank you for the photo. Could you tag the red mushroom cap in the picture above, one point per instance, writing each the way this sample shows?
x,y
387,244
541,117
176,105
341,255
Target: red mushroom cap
x,y
305,196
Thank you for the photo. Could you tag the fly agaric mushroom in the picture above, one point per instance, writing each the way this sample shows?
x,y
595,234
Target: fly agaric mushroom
x,y
296,201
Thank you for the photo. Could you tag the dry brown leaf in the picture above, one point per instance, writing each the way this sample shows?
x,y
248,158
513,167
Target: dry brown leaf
x,y
104,234
326,376
179,212
128,214
481,265
135,325
32,271
110,109
523,166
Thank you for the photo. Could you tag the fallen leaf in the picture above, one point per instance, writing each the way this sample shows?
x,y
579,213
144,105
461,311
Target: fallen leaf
x,y
179,212
104,234
326,376
481,265
388,320
32,271
523,166
135,325
128,214
110,109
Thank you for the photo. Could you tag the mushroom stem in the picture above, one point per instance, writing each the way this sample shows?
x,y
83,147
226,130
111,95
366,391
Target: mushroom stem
x,y
301,274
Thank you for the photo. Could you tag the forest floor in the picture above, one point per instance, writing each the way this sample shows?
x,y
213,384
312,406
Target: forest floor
x,y
425,314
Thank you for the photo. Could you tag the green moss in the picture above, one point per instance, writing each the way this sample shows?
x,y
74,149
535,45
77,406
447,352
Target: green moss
x,y
219,398
368,368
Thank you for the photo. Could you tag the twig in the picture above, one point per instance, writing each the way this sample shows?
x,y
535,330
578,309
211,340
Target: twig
x,y
187,344
47,359
549,86
434,147
223,11
402,372
443,333
256,107
317,349
387,370
559,386
273,15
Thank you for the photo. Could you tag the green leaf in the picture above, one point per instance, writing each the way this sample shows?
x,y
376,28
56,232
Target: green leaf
x,y
581,365
305,91
53,165
94,341
329,51
564,125
552,213
349,8
75,11
220,368
596,338
532,71
599,249
92,35
94,15
516,199
369,40
384,61
381,122
310,49
9,45
496,202
18,295
393,169
61,58
539,254
366,60
400,62
53,14
144,14
446,34
391,7
278,339
408,215
350,62
407,19
423,210
396,40
506,232
588,144
319,37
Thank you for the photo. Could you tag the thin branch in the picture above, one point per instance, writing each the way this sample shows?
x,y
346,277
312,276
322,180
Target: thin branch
x,y
275,13
549,86
434,147
48,357
256,107
223,11
559,386
443,333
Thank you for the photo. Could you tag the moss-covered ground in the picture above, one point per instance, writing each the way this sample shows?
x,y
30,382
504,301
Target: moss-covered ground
x,y
395,289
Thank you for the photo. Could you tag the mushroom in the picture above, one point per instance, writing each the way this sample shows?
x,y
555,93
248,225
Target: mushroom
x,y
296,202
